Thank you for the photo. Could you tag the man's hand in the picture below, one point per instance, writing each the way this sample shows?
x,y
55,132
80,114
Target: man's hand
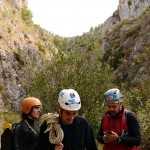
x,y
108,138
59,146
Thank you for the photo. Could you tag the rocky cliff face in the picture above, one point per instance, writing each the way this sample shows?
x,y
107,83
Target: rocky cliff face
x,y
127,39
26,46
131,9
22,46
127,48
18,4
127,9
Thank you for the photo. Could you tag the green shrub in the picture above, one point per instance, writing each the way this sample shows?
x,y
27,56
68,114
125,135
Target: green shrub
x,y
139,101
19,56
129,2
79,71
26,15
41,47
1,87
134,30
11,117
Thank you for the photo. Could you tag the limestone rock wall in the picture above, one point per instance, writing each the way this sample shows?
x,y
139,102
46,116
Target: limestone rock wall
x,y
19,51
131,9
18,4
127,9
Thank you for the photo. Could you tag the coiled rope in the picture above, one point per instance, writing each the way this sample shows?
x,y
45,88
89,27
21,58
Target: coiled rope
x,y
56,133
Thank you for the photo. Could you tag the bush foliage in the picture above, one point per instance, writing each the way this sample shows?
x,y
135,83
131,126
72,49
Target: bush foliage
x,y
84,73
83,66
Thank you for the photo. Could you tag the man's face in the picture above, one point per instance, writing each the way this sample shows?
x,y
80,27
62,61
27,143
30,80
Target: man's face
x,y
114,108
67,117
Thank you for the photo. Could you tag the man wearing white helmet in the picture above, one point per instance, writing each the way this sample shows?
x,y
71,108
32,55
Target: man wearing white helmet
x,y
120,129
78,134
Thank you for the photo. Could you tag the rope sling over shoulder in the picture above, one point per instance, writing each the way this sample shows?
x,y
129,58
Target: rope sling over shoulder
x,y
56,133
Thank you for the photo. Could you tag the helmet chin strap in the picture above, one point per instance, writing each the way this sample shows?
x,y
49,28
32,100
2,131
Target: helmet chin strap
x,y
120,108
31,117
30,114
60,112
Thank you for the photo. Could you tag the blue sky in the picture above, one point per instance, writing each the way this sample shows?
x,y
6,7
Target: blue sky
x,y
71,17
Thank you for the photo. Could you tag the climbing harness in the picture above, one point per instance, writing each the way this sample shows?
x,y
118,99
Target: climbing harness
x,y
56,133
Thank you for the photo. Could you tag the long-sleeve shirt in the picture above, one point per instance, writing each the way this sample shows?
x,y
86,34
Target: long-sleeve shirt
x,y
28,134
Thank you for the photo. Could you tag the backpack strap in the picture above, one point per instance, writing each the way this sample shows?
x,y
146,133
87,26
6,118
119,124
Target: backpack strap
x,y
126,113
15,131
124,120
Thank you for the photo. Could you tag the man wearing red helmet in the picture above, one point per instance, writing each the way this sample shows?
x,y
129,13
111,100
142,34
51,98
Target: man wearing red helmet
x,y
26,136
120,129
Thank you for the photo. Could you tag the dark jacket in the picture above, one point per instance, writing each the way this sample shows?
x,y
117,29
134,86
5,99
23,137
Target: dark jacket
x,y
78,136
133,138
28,135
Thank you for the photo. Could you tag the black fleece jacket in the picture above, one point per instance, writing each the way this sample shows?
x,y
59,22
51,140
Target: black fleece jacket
x,y
28,136
78,136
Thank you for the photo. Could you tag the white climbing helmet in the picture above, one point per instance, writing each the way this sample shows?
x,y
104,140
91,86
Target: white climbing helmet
x,y
69,99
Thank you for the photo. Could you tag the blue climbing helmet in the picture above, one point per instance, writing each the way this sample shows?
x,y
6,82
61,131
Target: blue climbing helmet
x,y
113,96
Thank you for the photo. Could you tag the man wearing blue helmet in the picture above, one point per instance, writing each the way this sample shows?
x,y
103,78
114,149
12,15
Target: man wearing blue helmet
x,y
120,129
